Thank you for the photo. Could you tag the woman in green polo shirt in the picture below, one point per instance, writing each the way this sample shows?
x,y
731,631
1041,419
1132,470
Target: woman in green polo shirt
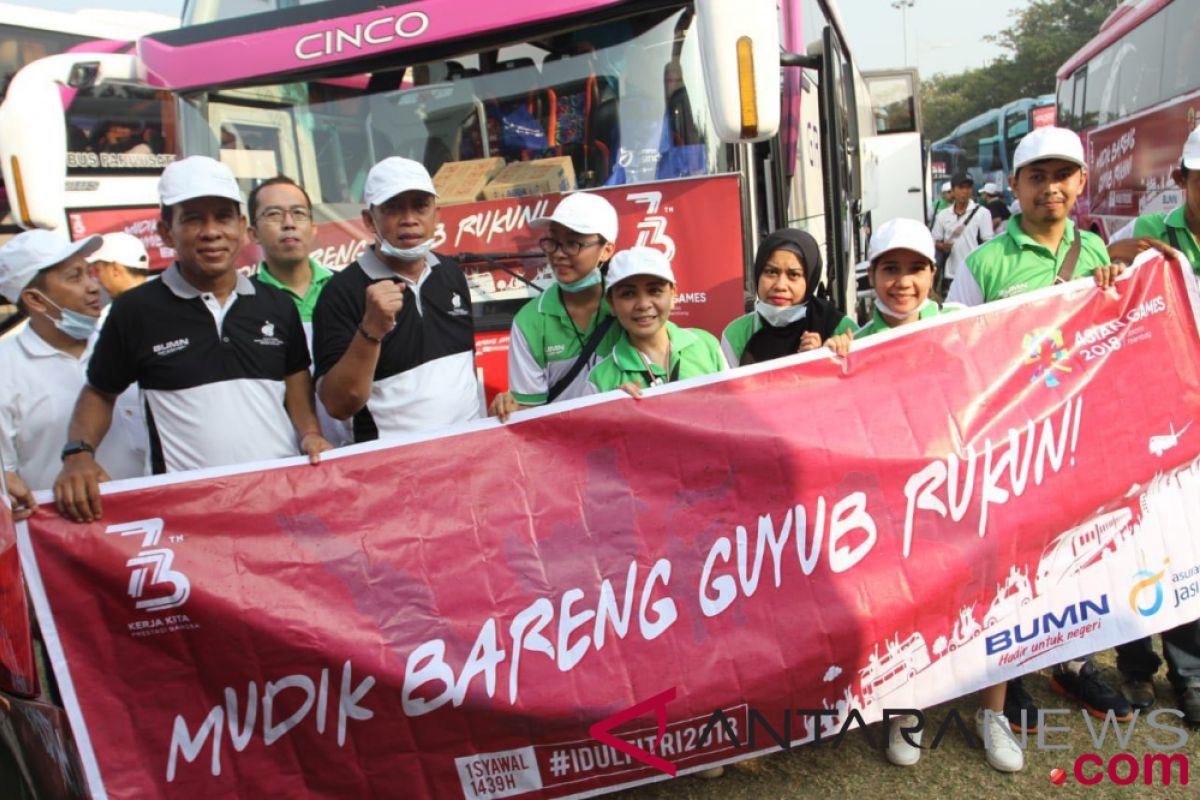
x,y
787,317
902,258
651,350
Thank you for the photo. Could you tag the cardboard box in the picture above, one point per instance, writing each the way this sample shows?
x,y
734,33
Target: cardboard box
x,y
463,181
526,178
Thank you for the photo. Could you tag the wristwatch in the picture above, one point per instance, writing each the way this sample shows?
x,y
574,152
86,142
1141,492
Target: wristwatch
x,y
77,446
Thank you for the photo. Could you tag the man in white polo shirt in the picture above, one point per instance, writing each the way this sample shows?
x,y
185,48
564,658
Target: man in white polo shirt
x,y
121,263
221,361
393,335
42,368
961,228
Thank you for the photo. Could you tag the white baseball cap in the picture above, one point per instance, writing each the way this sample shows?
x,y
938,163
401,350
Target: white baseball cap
x,y
393,176
1191,150
639,261
584,212
30,252
197,176
1049,142
945,187
122,248
990,188
901,234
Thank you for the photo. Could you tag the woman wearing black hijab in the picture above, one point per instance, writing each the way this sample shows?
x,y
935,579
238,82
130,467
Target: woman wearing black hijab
x,y
787,318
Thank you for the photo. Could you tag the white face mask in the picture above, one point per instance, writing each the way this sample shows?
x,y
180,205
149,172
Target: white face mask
x,y
780,316
411,254
887,311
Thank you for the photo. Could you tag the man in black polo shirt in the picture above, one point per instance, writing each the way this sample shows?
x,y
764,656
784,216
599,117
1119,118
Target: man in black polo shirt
x,y
221,361
392,333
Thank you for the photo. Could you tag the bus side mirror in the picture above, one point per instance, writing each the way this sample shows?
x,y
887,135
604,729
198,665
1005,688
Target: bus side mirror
x,y
739,48
33,133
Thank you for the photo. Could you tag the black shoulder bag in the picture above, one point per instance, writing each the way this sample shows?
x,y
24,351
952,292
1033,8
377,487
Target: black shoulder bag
x,y
589,349
1068,266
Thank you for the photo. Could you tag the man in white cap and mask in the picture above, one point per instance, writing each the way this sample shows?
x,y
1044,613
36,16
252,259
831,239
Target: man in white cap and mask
x,y
560,335
121,263
42,368
221,361
393,335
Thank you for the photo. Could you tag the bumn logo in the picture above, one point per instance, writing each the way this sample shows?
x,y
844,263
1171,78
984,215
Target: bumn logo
x,y
268,329
155,563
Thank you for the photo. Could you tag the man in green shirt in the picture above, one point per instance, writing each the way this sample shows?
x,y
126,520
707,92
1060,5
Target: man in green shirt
x,y
1137,660
281,223
1180,227
1039,244
1040,247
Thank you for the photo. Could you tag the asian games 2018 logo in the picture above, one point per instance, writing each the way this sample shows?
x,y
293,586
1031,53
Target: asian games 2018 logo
x,y
1046,352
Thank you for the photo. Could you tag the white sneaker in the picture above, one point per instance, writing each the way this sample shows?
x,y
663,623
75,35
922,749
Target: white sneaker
x,y
900,752
999,744
711,773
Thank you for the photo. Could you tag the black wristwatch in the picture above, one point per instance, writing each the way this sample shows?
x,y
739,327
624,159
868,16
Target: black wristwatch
x,y
77,446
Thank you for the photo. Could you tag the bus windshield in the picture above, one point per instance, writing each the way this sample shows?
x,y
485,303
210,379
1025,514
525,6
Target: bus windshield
x,y
616,103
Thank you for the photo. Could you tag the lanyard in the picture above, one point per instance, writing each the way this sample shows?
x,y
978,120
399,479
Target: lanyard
x,y
654,380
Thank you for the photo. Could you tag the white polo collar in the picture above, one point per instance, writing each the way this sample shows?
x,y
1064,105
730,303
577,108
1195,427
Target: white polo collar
x,y
173,279
376,270
37,347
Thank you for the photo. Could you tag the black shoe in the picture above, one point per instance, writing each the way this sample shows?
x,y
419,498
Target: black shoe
x,y
1138,689
1189,704
1019,708
1086,688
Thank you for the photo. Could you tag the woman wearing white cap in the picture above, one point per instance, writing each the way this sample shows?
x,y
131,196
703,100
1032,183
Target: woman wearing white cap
x,y
560,335
651,350
902,270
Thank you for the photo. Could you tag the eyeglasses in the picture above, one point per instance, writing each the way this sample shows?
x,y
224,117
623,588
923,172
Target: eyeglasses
x,y
570,247
275,215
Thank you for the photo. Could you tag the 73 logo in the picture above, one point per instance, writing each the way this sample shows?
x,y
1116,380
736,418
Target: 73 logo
x,y
154,563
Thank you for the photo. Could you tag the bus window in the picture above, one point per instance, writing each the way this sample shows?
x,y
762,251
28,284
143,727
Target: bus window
x,y
1137,62
19,46
1077,105
623,101
1099,103
118,127
1181,68
1064,102
893,102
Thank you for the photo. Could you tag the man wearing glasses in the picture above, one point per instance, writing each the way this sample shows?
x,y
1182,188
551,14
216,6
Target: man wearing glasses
x,y
393,334
560,335
281,223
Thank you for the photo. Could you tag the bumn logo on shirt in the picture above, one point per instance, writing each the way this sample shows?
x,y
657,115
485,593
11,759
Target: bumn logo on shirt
x,y
268,329
456,301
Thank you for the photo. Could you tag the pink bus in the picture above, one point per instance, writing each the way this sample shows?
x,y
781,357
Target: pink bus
x,y
634,101
1133,93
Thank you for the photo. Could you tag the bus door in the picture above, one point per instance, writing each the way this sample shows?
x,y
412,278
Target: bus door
x,y
839,156
893,164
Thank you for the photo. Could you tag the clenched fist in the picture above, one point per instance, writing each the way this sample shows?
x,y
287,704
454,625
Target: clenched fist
x,y
384,301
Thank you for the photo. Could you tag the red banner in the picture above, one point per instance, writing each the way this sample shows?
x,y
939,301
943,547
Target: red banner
x,y
140,222
463,616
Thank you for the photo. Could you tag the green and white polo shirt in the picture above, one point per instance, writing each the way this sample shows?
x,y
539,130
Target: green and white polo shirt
x,y
693,352
545,343
1013,263
929,310
1156,225
737,335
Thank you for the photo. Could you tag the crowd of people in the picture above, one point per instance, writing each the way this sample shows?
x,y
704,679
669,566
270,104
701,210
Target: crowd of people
x,y
204,366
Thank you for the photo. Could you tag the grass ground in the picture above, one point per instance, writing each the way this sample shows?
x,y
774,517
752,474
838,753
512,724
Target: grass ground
x,y
952,771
